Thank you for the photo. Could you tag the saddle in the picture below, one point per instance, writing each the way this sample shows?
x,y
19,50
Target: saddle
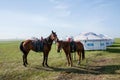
x,y
38,45
72,46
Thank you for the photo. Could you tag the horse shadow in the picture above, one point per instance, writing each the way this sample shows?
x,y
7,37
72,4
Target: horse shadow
x,y
108,69
96,70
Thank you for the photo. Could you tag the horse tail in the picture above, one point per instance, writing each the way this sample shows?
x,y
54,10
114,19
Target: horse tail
x,y
83,53
22,48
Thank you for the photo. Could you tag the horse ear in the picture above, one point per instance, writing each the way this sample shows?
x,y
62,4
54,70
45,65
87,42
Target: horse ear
x,y
52,31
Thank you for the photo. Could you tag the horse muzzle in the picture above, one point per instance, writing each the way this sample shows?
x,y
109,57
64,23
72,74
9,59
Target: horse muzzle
x,y
58,51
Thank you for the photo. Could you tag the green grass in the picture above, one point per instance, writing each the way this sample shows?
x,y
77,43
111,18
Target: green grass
x,y
101,65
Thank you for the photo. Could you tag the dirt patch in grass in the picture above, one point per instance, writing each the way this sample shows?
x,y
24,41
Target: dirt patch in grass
x,y
100,69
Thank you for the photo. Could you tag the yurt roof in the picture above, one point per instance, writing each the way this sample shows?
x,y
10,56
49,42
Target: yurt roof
x,y
90,36
104,36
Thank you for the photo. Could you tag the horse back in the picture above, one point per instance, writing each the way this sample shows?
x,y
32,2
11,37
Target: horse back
x,y
79,46
27,44
30,45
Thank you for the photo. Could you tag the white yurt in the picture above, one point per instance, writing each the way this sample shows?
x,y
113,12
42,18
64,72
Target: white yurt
x,y
92,41
109,40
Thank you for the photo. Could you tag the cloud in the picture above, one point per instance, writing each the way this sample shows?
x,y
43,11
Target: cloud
x,y
61,8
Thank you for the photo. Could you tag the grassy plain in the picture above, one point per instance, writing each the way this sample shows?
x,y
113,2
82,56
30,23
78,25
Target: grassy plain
x,y
98,65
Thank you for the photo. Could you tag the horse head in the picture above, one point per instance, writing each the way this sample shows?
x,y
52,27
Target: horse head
x,y
53,36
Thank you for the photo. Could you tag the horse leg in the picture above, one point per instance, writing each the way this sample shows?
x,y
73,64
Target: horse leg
x,y
70,59
83,54
25,52
79,57
67,56
25,63
46,59
24,60
43,59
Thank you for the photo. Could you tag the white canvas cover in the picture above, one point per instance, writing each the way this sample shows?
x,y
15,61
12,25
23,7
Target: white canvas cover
x,y
93,41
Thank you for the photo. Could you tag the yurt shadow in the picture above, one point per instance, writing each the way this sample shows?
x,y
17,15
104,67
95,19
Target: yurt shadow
x,y
113,50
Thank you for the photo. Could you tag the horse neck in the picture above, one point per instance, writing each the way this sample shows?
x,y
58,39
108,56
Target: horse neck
x,y
49,40
66,45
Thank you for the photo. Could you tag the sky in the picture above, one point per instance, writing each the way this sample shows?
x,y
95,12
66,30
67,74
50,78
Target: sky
x,y
23,19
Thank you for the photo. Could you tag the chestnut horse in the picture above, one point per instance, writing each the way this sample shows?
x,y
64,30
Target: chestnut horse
x,y
27,45
66,46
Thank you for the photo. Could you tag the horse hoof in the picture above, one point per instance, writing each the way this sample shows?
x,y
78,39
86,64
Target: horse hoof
x,y
43,65
27,63
47,65
78,63
68,64
71,65
24,65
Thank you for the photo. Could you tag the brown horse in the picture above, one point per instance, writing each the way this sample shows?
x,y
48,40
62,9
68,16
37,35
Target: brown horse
x,y
27,45
66,46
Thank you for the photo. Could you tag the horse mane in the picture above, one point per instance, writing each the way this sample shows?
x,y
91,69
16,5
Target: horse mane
x,y
48,40
64,43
